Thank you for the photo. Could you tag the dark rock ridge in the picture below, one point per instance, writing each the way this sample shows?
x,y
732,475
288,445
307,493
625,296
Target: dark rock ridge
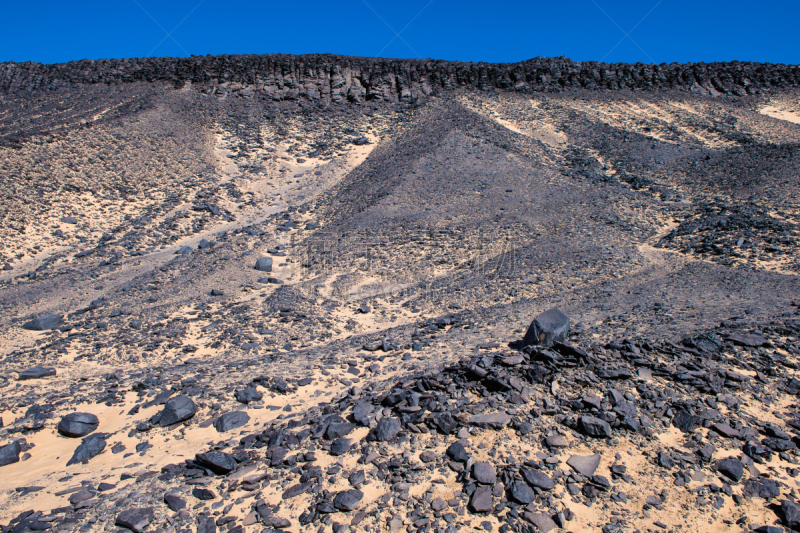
x,y
331,78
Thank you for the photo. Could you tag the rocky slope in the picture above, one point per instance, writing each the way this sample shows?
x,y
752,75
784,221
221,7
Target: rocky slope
x,y
253,302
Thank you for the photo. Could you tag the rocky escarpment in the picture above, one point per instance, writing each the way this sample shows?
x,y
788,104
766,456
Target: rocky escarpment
x,y
330,78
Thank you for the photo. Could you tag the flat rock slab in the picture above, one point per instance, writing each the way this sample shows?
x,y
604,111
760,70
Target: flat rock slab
x,y
229,421
135,519
78,424
556,441
747,339
585,465
297,490
44,322
89,448
726,431
538,479
484,473
495,421
37,372
542,521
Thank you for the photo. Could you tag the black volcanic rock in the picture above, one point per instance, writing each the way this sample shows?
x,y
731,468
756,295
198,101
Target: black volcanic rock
x,y
264,264
9,453
78,424
37,372
44,322
176,410
347,500
340,78
89,448
594,427
135,519
547,328
231,420
387,429
218,462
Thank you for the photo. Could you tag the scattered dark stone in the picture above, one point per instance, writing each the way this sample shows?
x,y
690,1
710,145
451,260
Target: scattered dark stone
x,y
586,465
348,500
543,522
36,372
357,478
791,514
556,441
538,479
297,490
176,410
521,493
247,395
78,424
444,422
484,473
546,328
685,421
135,519
340,446
481,500
90,447
387,429
744,339
44,322
456,452
594,427
264,264
337,430
218,462
203,494
731,467
174,502
763,488
496,421
10,453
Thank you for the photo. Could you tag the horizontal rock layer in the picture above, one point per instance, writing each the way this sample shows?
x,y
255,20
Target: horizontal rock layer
x,y
336,79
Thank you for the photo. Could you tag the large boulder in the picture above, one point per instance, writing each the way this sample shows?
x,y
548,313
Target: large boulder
x,y
176,410
10,453
547,328
44,322
78,424
264,264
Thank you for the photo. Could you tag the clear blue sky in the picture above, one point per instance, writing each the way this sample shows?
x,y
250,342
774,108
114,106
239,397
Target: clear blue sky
x,y
493,31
